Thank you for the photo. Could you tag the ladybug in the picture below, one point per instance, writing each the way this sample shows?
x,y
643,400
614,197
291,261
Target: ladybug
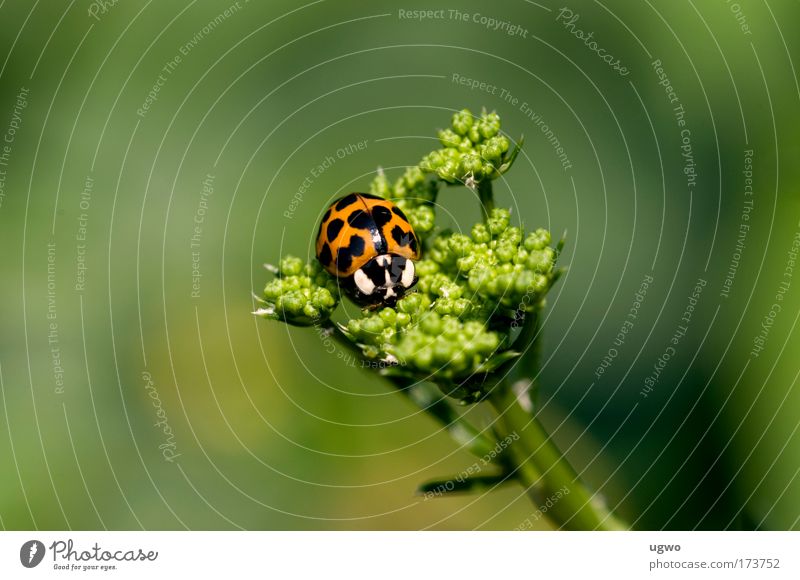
x,y
368,244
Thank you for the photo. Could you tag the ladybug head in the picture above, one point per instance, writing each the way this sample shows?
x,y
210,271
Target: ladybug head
x,y
383,280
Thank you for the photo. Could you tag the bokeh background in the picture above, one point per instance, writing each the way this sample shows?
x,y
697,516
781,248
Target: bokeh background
x,y
120,319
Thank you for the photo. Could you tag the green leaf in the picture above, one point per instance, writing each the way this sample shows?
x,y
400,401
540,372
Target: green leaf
x,y
509,160
498,360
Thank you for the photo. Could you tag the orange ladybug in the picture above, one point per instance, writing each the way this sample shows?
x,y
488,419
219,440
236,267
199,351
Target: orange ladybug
x,y
367,242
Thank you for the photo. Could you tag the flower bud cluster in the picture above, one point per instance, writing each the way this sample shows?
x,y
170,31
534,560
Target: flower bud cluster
x,y
497,267
473,150
300,294
425,343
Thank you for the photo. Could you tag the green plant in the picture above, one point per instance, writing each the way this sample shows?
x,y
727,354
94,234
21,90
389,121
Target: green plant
x,y
470,332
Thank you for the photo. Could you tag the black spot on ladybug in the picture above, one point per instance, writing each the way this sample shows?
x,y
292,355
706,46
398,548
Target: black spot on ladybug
x,y
356,246
396,271
381,215
399,213
370,196
346,201
325,255
326,216
334,228
360,220
344,259
413,244
401,237
375,271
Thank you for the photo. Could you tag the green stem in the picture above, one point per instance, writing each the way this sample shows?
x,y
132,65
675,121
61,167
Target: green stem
x,y
574,507
522,372
486,197
426,397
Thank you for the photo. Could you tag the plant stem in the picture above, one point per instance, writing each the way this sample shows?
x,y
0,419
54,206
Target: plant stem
x,y
573,507
486,197
523,371
424,396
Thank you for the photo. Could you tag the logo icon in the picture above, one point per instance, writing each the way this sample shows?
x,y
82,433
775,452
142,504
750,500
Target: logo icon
x,y
31,553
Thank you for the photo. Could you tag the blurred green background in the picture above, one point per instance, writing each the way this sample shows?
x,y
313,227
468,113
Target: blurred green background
x,y
134,228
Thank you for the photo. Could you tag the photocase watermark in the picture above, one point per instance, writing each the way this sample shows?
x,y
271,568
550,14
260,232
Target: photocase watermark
x,y
744,225
81,235
6,147
568,19
487,22
767,322
69,558
473,469
543,509
627,326
318,170
172,65
53,340
168,448
31,553
524,107
100,8
677,336
198,223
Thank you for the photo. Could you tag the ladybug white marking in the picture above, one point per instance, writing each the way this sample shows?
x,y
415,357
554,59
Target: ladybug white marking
x,y
363,282
408,274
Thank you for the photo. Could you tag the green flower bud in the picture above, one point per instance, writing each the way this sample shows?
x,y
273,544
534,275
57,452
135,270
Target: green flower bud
x,y
480,233
520,256
423,358
541,260
452,328
413,303
537,240
373,325
474,134
449,138
498,221
291,266
459,244
432,161
421,218
371,352
388,315
462,121
443,352
506,252
489,125
512,235
471,163
431,324
467,263
449,170
380,185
